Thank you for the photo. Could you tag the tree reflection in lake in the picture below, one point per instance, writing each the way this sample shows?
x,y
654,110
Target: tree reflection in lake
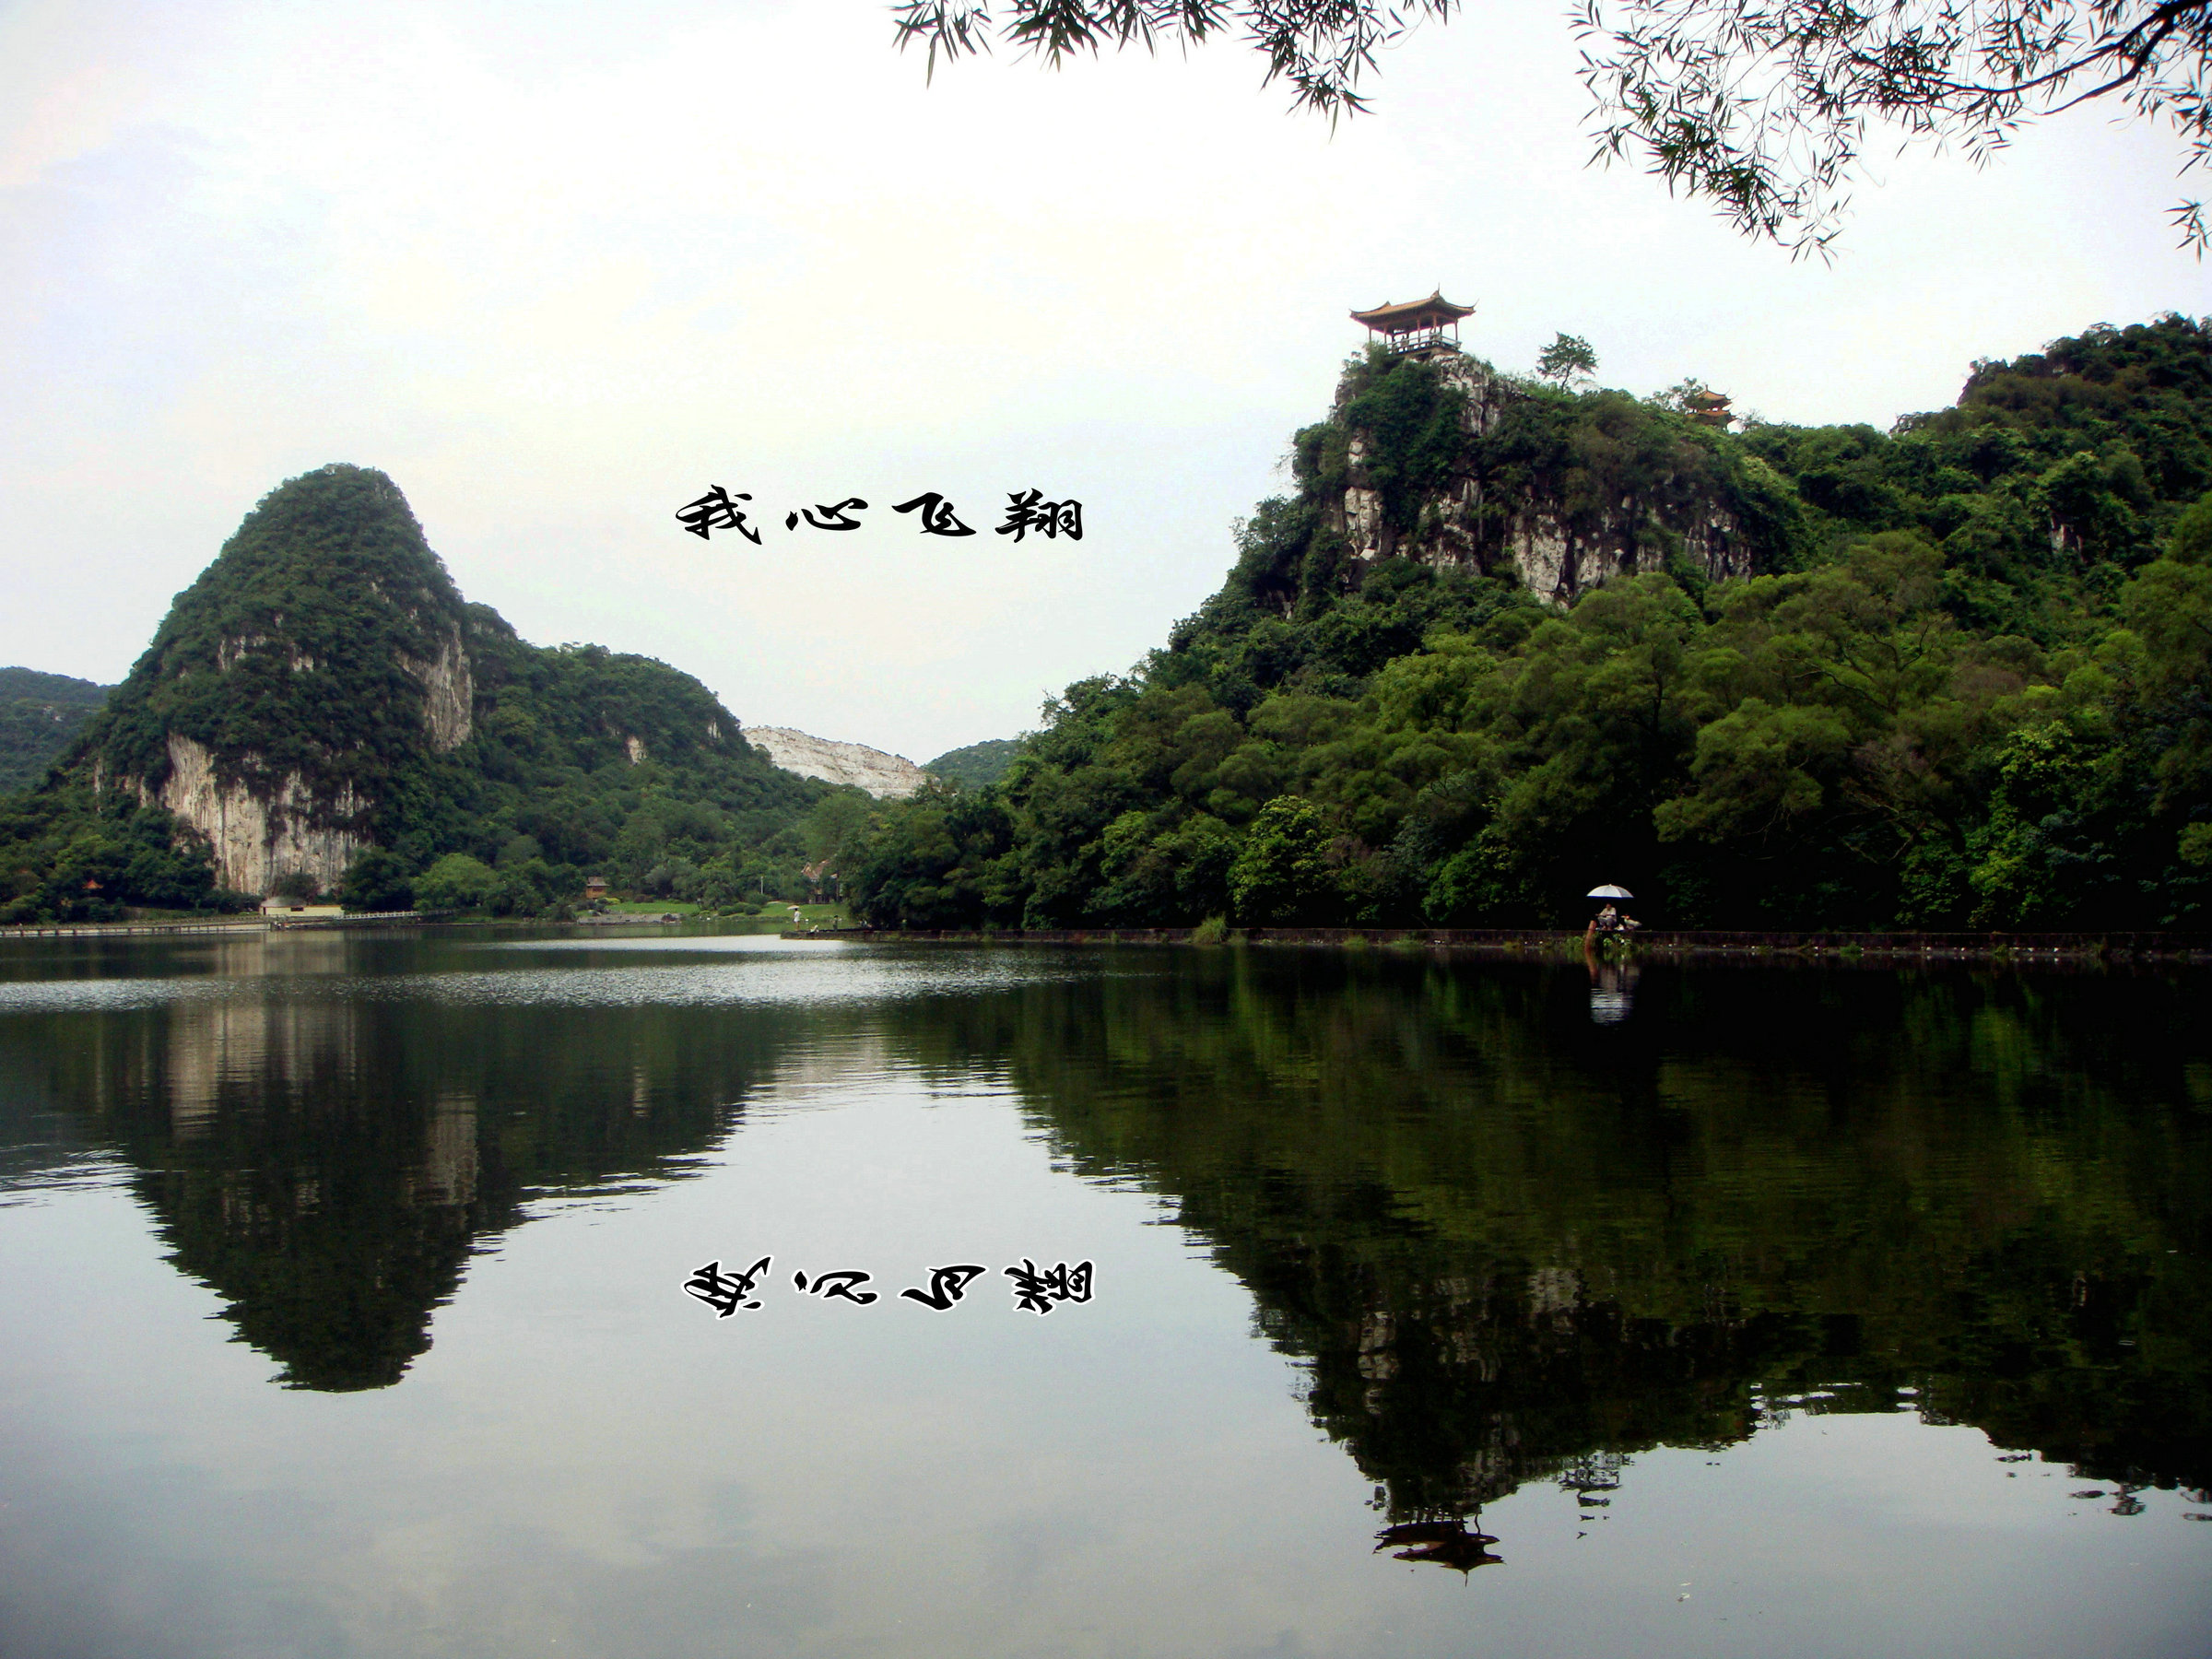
x,y
1507,1238
1508,1247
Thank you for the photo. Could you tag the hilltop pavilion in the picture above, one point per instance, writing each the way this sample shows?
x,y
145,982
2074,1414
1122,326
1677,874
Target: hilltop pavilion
x,y
1418,324
1709,408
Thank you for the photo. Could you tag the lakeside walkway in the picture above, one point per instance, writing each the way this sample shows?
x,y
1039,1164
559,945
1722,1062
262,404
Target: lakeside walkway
x,y
230,925
1522,944
1647,944
118,930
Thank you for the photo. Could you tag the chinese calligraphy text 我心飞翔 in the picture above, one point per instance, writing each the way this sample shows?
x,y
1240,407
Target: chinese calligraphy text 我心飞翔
x,y
1036,1290
1027,510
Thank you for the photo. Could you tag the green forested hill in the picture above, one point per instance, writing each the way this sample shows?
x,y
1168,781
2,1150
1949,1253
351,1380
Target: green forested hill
x,y
325,667
977,764
1967,681
39,714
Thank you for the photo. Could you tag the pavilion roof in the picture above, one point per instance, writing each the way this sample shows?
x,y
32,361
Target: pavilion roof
x,y
1431,313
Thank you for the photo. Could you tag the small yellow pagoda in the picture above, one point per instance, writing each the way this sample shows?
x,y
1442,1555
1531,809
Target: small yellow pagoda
x,y
1430,324
1708,408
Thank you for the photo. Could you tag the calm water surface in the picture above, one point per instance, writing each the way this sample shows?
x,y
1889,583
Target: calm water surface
x,y
1436,1308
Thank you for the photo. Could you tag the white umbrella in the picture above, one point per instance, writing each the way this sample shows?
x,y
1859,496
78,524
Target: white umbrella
x,y
1609,893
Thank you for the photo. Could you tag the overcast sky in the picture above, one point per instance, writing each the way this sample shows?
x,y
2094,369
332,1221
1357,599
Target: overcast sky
x,y
559,268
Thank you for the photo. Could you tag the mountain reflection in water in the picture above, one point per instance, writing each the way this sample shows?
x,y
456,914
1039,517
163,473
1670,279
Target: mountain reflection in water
x,y
1503,1245
327,1164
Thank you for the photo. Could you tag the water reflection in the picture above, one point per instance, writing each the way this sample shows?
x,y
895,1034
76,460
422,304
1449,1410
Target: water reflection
x,y
328,1167
1612,990
1445,1543
1501,1249
1504,1254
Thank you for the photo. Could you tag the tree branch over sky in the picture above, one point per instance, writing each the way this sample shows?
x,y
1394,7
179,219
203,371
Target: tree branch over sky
x,y
1762,107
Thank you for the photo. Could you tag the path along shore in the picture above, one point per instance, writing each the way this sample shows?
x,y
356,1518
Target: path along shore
x,y
1646,944
1527,944
225,926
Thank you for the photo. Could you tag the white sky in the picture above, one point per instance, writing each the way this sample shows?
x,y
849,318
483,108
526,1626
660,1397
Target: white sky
x,y
558,268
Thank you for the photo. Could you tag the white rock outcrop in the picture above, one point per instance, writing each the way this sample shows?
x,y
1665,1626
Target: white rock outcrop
x,y
254,841
887,777
1531,535
449,693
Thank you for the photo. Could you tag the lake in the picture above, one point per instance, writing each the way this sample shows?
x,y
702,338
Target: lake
x,y
475,1293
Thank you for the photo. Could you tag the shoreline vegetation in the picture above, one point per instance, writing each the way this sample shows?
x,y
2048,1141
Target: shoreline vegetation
x,y
1877,949
628,915
1530,944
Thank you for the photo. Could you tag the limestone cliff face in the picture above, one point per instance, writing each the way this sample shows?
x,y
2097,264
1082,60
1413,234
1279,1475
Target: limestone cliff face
x,y
448,692
1449,533
255,835
262,822
887,777
1557,560
1538,521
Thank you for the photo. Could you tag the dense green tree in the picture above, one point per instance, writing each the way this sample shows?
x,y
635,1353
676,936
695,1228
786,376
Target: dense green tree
x,y
377,879
1281,873
931,872
456,882
1567,359
296,885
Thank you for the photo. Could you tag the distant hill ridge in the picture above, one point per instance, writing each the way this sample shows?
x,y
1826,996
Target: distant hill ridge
x,y
40,715
886,776
978,764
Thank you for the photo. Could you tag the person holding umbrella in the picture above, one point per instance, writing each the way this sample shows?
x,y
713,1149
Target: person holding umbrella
x,y
1611,983
1610,920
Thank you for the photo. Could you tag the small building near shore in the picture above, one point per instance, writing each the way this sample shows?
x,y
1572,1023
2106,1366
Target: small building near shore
x,y
277,904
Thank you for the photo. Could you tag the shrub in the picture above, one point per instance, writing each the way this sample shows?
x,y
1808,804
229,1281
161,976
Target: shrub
x,y
455,882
